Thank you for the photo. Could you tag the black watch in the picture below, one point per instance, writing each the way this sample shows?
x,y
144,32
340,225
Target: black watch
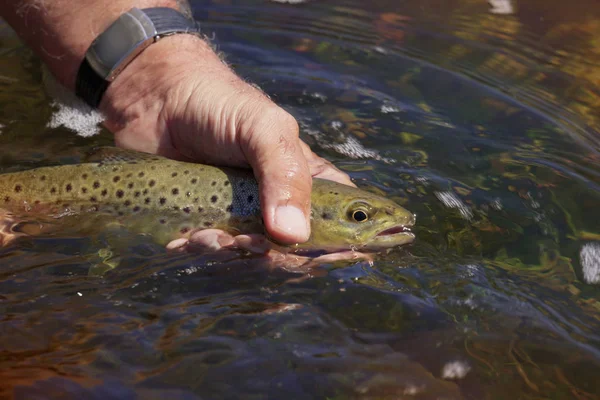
x,y
121,42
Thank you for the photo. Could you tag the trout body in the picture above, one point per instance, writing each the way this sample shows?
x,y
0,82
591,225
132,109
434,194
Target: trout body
x,y
171,199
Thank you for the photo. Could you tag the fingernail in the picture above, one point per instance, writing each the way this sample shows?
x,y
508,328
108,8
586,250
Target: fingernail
x,y
290,219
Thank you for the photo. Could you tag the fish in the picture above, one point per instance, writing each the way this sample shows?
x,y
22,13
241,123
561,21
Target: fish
x,y
170,199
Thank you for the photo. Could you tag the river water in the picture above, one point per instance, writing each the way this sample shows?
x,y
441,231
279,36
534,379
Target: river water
x,y
480,117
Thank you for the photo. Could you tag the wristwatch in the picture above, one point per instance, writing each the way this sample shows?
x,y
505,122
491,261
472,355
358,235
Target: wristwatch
x,y
121,42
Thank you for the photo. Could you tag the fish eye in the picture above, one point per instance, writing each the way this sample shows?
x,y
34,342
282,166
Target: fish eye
x,y
359,216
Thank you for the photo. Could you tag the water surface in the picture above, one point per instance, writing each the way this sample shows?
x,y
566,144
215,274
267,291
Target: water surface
x,y
480,117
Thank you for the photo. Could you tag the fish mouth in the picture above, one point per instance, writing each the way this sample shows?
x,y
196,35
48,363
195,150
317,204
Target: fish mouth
x,y
394,230
395,236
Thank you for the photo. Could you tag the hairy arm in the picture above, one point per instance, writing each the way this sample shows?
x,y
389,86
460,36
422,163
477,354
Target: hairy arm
x,y
60,31
178,99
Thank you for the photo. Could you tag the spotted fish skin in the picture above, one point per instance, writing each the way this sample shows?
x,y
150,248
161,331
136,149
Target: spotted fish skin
x,y
170,199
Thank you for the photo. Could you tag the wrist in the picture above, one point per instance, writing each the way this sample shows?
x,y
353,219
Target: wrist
x,y
61,31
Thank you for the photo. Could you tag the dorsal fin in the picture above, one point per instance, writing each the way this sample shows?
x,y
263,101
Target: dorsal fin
x,y
115,155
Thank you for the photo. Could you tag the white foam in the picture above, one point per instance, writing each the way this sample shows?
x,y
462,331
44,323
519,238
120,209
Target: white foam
x,y
71,112
388,109
589,257
502,7
451,200
455,370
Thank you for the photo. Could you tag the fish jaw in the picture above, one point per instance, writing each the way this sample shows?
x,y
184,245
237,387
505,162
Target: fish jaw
x,y
389,238
398,234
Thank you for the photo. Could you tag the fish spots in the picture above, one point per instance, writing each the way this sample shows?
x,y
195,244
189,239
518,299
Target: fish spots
x,y
129,175
116,178
145,192
93,199
141,174
84,176
186,172
162,201
136,209
208,224
326,216
186,210
174,174
127,203
175,191
200,209
53,190
184,230
229,208
84,189
6,199
104,192
18,188
43,178
130,185
214,198
119,193
162,221
96,185
147,200
213,183
226,183
151,182
68,187
137,193
194,181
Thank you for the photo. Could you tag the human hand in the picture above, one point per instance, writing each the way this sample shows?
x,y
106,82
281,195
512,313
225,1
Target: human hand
x,y
178,99
266,253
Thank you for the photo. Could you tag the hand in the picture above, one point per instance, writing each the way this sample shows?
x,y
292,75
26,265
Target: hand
x,y
217,242
179,100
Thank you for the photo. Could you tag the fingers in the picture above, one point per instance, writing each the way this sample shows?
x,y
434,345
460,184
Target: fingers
x,y
272,147
321,168
216,241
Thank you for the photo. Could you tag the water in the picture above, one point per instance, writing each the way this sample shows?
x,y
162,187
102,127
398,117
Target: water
x,y
480,117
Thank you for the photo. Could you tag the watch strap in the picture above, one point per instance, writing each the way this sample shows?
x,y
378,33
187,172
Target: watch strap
x,y
90,84
168,21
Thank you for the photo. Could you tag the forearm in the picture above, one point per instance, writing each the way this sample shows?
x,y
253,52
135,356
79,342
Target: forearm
x,y
60,31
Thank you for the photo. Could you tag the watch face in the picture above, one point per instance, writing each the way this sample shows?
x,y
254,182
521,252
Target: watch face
x,y
120,43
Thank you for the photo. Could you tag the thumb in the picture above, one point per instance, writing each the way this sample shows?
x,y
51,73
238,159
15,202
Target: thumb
x,y
272,146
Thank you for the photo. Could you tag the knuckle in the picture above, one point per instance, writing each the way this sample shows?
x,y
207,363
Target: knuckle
x,y
279,120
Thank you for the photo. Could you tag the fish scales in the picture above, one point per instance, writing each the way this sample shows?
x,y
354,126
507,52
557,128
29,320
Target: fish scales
x,y
153,192
170,199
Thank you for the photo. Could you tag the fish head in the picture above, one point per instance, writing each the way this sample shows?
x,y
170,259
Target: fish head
x,y
344,217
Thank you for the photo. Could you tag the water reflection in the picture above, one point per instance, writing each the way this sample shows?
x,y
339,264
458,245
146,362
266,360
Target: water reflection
x,y
480,117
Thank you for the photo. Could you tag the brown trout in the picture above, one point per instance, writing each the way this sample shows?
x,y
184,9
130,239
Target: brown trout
x,y
171,199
